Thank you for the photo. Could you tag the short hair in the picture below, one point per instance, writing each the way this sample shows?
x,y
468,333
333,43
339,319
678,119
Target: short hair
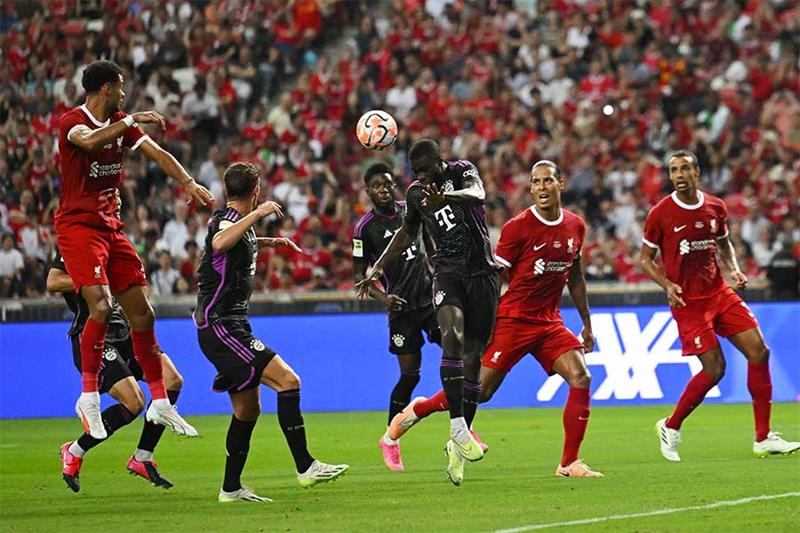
x,y
424,148
687,154
240,180
98,74
376,169
549,164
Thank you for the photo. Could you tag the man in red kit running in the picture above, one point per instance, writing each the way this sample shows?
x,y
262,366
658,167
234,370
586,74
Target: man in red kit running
x,y
688,227
541,251
98,256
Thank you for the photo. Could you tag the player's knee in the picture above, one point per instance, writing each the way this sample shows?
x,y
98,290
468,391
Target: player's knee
x,y
134,403
486,394
101,310
173,381
143,319
247,413
760,355
289,381
580,379
716,371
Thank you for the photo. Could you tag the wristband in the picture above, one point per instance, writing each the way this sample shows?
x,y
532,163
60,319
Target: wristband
x,y
128,120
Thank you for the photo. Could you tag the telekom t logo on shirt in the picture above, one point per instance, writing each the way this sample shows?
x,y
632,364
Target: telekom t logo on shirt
x,y
445,217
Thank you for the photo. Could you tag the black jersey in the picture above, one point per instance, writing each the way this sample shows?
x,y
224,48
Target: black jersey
x,y
225,279
458,228
118,327
408,276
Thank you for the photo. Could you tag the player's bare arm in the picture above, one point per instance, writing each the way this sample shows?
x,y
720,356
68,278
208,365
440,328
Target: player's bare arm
x,y
175,170
647,260
59,281
391,302
576,284
402,239
277,242
473,192
91,140
727,256
226,238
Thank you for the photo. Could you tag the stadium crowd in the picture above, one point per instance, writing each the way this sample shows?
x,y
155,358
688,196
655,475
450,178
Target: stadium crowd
x,y
604,88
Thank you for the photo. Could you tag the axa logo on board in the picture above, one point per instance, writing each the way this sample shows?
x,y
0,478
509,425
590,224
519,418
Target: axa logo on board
x,y
630,352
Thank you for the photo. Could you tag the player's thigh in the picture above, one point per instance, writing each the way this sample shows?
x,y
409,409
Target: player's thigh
x,y
405,334
279,376
449,290
86,253
571,366
125,268
246,404
137,308
554,342
431,326
409,363
752,344
127,392
481,309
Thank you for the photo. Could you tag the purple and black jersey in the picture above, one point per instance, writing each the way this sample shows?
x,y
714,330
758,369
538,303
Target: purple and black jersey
x,y
225,279
458,228
118,327
407,276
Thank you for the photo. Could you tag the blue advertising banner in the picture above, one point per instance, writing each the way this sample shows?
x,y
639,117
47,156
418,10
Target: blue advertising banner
x,y
344,363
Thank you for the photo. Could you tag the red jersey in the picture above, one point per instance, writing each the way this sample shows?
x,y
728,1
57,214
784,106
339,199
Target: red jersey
x,y
90,181
539,254
687,237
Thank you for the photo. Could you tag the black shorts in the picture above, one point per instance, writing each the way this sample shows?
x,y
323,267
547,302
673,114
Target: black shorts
x,y
118,363
476,296
405,331
239,358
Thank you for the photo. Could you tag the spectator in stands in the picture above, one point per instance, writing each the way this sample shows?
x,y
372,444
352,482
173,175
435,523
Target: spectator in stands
x,y
162,280
783,273
176,232
11,265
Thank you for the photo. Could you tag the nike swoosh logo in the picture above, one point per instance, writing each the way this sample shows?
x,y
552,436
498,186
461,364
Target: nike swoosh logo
x,y
537,248
676,229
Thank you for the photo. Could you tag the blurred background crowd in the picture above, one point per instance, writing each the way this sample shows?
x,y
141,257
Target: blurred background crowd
x,y
604,88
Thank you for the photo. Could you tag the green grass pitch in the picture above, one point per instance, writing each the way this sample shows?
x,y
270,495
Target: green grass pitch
x,y
513,486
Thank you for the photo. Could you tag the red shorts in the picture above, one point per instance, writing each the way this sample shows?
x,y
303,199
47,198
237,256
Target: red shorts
x,y
700,321
513,339
99,257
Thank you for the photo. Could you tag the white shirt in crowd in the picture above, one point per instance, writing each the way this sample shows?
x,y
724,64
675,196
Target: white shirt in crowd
x,y
10,262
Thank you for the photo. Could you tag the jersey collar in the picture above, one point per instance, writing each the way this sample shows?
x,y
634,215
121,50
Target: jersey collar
x,y
546,222
684,205
93,119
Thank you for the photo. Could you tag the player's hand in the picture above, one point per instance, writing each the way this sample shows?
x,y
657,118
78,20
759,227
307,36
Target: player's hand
x,y
198,193
284,241
267,208
395,303
150,117
740,279
674,292
433,195
588,338
362,287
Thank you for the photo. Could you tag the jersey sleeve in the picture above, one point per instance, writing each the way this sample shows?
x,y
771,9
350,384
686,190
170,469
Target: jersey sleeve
x,y
653,234
413,216
510,244
67,123
134,136
360,240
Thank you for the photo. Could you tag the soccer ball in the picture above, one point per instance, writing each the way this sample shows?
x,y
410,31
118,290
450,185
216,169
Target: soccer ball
x,y
376,130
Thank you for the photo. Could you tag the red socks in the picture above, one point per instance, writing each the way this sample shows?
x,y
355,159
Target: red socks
x,y
148,355
437,402
92,343
575,418
693,394
760,386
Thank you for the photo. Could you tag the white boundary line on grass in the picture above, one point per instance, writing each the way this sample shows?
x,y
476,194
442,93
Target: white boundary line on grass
x,y
713,505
